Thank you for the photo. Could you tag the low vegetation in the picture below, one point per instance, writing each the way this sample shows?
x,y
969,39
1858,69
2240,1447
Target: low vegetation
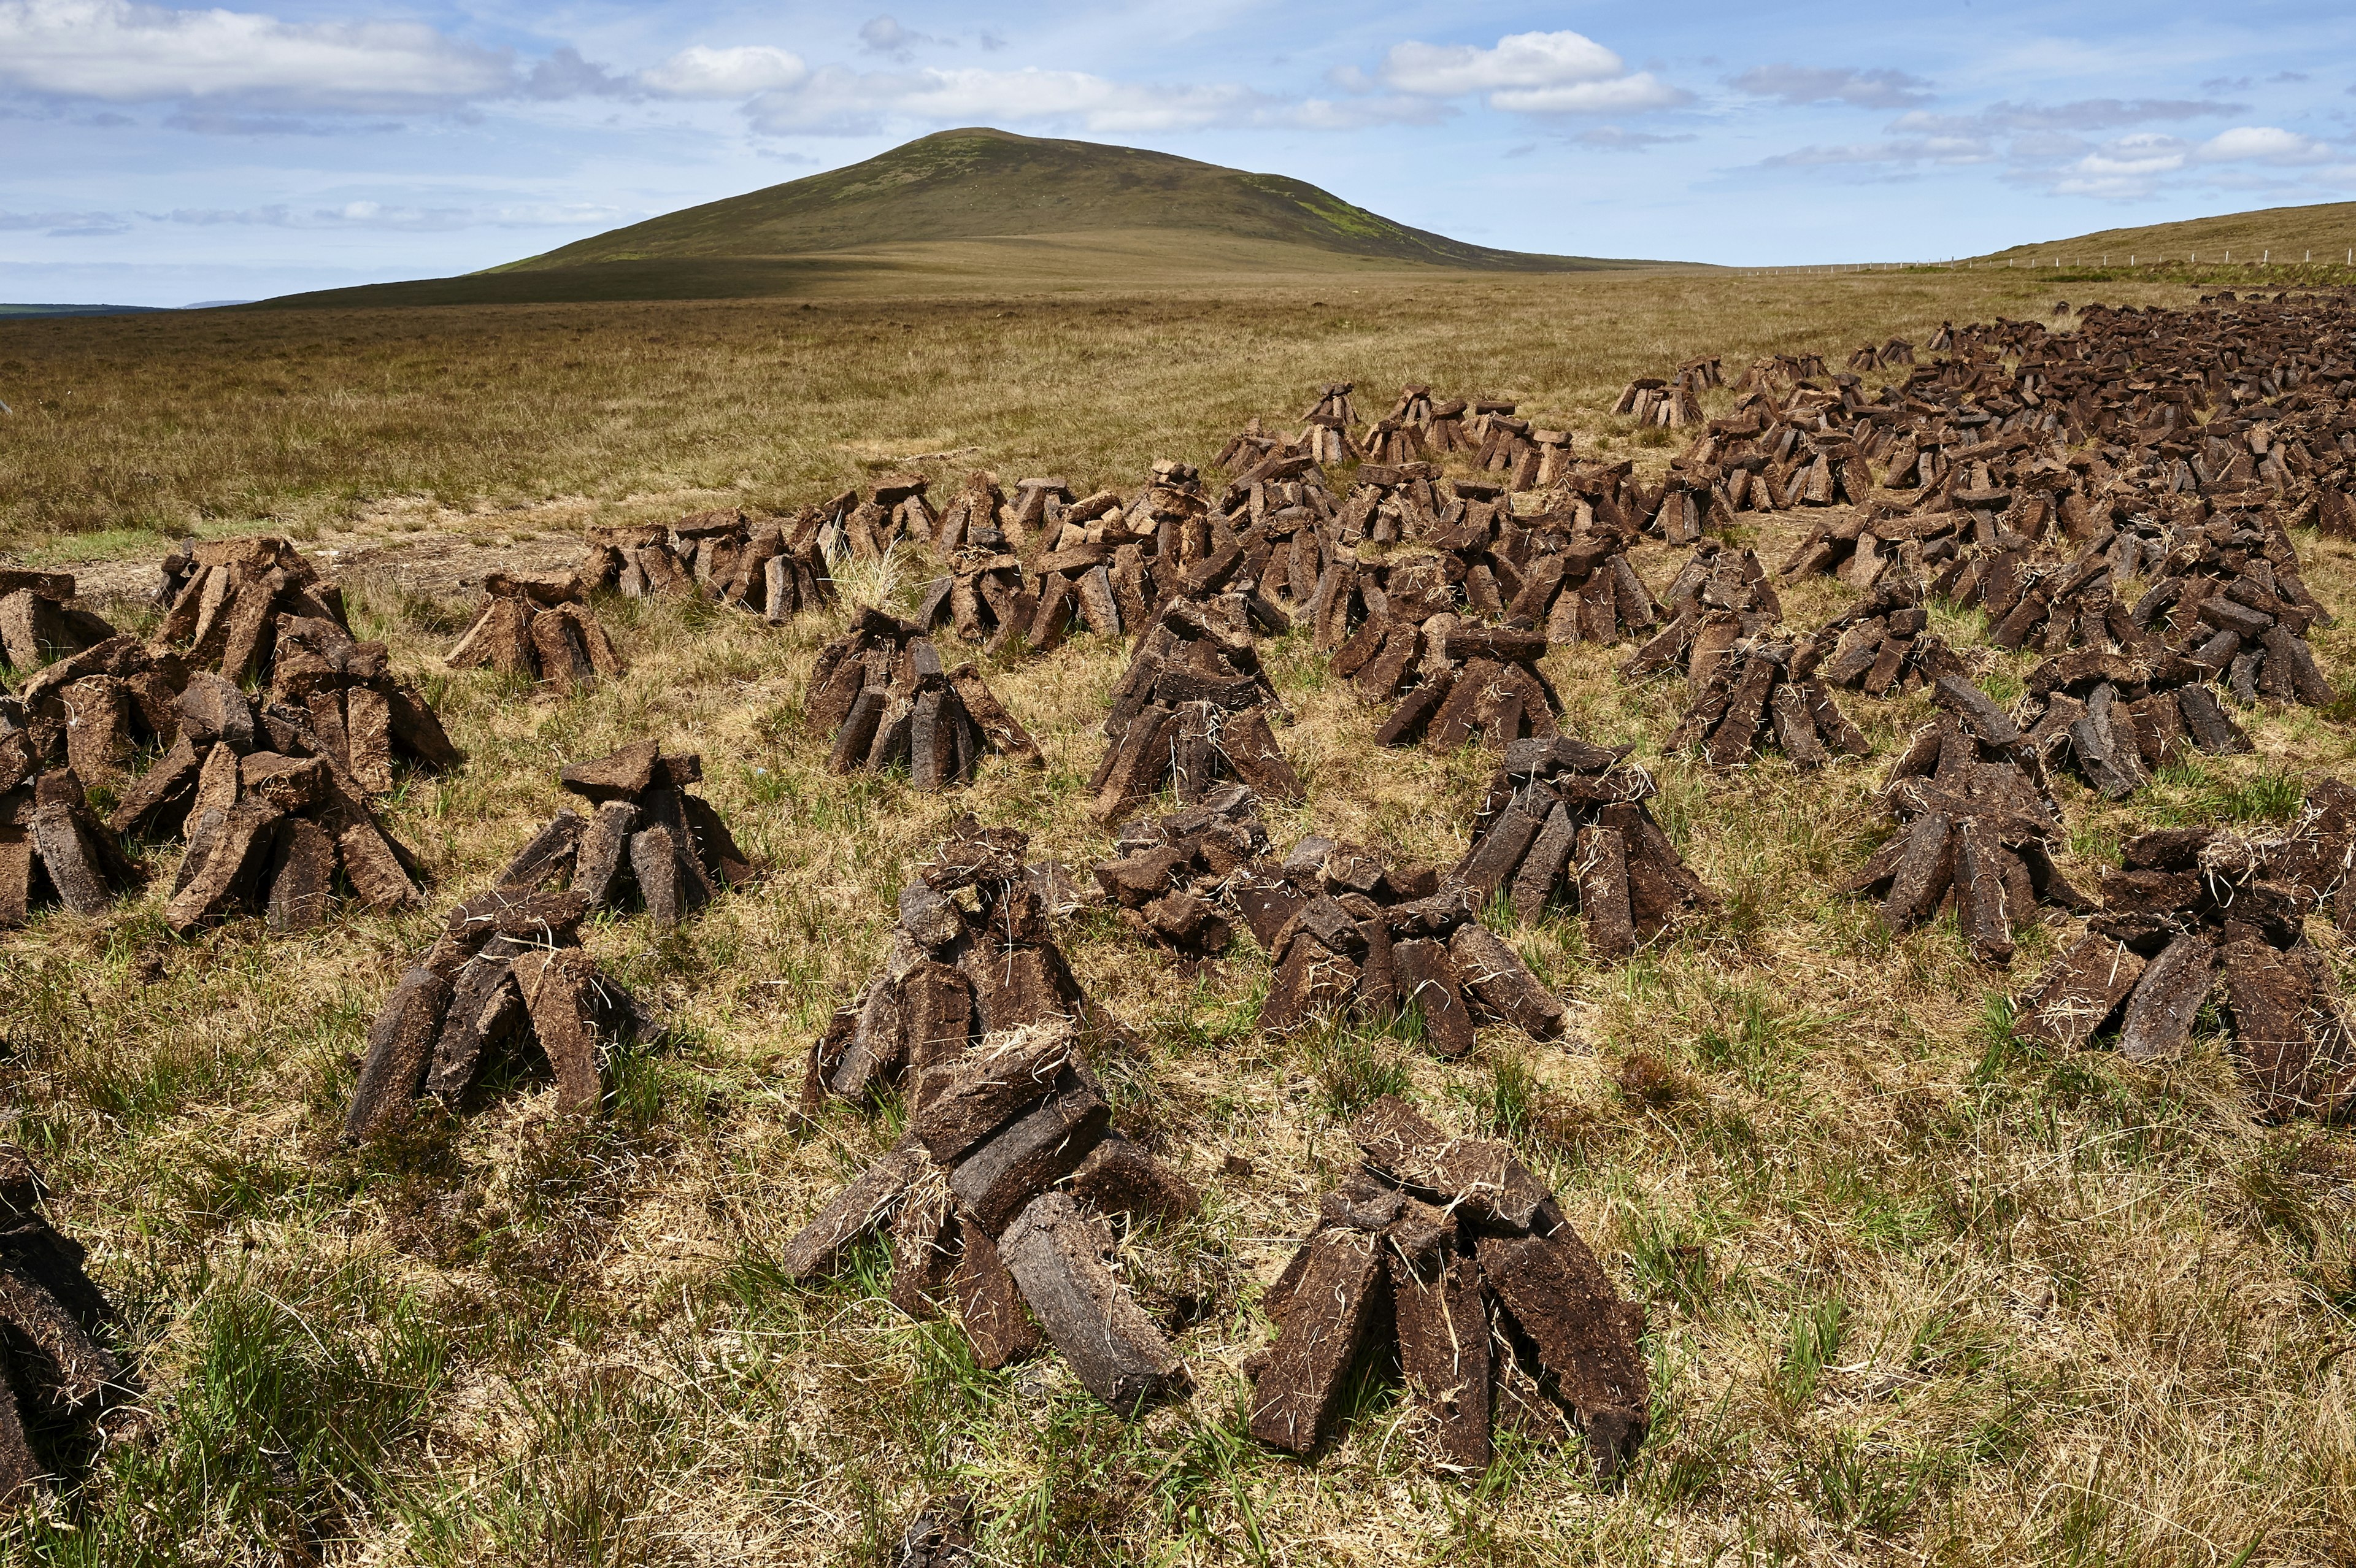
x,y
1917,1290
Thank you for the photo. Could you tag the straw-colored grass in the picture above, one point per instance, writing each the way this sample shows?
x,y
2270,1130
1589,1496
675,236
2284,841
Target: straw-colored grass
x,y
1918,1291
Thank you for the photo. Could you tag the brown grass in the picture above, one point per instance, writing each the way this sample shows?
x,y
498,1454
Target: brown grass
x,y
1918,1291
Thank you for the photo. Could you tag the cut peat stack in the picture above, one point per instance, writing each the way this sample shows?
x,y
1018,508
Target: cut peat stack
x,y
1095,568
2117,720
272,812
1470,683
1449,1249
1348,935
880,691
2234,602
1721,596
38,621
2194,908
1665,404
645,839
974,952
541,628
1870,542
52,849
366,718
1564,815
225,602
1762,693
94,710
1252,446
1170,879
1881,645
506,980
1194,708
62,1392
1978,829
996,1200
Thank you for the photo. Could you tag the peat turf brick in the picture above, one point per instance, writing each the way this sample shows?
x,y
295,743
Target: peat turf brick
x,y
1603,896
989,1305
1587,1339
559,994
2295,1039
301,876
1426,978
1031,1153
1477,1176
857,1211
2160,1010
401,1043
925,1245
1056,1255
969,1098
1495,977
547,856
1443,1342
1340,1303
1121,1177
603,849
2080,992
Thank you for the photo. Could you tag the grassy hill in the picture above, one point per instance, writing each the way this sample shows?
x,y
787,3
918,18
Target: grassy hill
x,y
974,208
2326,231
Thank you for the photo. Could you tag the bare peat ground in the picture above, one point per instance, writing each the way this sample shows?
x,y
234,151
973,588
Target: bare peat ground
x,y
1917,1290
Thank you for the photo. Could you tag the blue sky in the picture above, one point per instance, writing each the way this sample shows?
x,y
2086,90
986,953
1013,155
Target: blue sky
x,y
150,155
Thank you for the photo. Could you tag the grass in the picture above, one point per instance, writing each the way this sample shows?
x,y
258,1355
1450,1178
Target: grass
x,y
1917,1290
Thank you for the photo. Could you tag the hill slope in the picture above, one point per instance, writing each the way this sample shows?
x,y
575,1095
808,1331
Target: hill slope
x,y
973,208
2326,230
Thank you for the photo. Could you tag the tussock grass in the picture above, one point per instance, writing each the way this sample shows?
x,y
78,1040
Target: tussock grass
x,y
1917,1290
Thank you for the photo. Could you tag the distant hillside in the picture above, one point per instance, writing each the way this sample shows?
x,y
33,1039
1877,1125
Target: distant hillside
x,y
977,207
2323,232
21,311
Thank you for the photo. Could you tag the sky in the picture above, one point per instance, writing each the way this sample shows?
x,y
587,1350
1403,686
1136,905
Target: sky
x,y
156,155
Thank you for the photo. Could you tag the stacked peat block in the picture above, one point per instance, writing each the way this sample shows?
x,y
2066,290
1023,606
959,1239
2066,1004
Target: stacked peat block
x,y
1721,596
1896,351
63,1392
1348,935
1410,501
977,517
974,952
2235,603
880,691
1867,541
1192,709
997,1198
1251,446
1170,877
648,835
1509,446
1097,566
270,809
1977,828
2191,907
506,981
1563,813
226,600
2119,719
364,717
1452,1249
636,560
1398,438
1672,404
51,847
38,621
996,1193
1882,645
541,628
92,710
1469,682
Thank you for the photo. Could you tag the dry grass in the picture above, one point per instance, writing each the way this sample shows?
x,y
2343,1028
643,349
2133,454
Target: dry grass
x,y
1918,1291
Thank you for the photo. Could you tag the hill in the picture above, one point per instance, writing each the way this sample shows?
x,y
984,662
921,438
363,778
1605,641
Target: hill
x,y
45,311
2324,231
974,208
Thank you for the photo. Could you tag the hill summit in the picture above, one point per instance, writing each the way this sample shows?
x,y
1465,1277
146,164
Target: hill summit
x,y
974,208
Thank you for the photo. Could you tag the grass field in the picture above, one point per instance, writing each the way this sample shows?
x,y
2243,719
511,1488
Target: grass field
x,y
1919,1292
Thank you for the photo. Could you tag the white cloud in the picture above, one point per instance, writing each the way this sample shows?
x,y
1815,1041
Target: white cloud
x,y
834,101
64,225
1612,138
1526,73
885,35
385,216
2083,114
2264,145
1882,88
1902,150
125,53
739,72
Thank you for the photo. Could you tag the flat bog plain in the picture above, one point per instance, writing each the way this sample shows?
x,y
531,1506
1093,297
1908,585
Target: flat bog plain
x,y
1916,1285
